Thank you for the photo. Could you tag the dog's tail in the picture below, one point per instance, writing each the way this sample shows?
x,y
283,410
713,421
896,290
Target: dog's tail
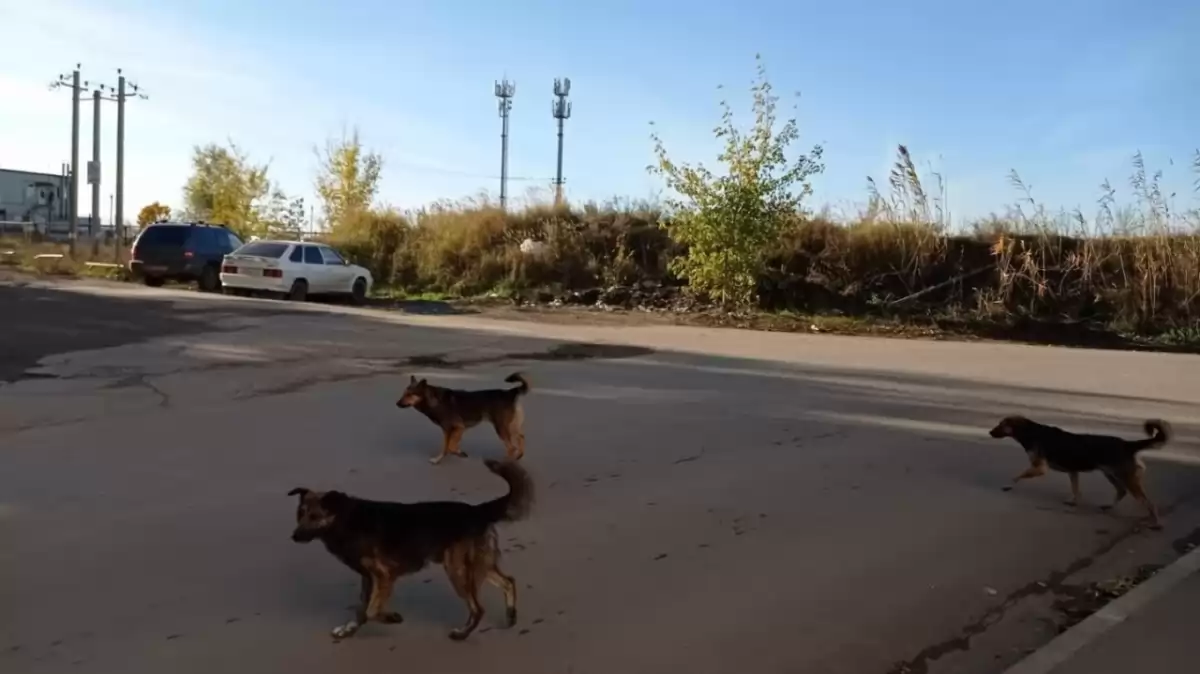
x,y
518,378
1160,434
516,504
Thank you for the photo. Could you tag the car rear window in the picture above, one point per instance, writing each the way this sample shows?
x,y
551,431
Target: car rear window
x,y
263,249
164,235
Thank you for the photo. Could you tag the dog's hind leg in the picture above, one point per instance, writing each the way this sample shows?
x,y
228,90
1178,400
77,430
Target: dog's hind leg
x,y
1036,470
518,431
509,436
1139,492
456,437
460,562
501,580
509,587
520,440
1119,486
1075,494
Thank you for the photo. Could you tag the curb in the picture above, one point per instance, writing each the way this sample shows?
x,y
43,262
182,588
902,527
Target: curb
x,y
1064,646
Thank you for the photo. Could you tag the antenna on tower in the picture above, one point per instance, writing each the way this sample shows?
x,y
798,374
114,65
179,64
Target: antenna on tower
x,y
560,108
505,91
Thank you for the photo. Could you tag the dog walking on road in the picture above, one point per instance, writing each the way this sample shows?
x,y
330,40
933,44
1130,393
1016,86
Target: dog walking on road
x,y
1050,447
383,541
454,411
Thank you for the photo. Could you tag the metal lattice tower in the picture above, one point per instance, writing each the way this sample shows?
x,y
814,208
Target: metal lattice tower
x,y
505,91
560,108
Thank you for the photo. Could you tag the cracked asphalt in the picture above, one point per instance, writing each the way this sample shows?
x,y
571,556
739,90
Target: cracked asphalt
x,y
709,500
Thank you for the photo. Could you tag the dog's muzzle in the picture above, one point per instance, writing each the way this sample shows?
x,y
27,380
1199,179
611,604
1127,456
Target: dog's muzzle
x,y
401,404
303,536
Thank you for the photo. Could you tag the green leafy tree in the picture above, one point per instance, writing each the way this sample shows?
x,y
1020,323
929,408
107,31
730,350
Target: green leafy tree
x,y
729,222
282,216
347,180
226,188
374,239
153,212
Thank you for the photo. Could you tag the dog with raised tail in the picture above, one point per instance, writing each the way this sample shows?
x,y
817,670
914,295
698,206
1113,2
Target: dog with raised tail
x,y
456,410
1050,447
383,541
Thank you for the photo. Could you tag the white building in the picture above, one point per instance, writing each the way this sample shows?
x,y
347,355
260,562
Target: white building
x,y
38,198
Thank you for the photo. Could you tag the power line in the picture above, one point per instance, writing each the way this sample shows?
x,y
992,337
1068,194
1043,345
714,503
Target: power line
x,y
414,166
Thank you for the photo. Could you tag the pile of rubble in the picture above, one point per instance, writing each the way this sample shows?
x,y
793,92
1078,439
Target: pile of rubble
x,y
645,296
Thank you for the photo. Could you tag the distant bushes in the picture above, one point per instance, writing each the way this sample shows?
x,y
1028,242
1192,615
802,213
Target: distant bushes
x,y
1143,276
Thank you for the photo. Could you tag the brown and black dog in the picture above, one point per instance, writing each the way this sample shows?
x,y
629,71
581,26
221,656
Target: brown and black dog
x,y
383,541
1074,453
456,410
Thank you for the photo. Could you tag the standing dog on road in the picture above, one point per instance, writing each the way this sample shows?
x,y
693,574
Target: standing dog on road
x,y
1074,453
454,411
384,541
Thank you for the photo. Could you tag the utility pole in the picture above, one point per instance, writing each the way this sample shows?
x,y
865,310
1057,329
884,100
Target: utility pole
x,y
124,91
93,174
73,81
505,91
560,108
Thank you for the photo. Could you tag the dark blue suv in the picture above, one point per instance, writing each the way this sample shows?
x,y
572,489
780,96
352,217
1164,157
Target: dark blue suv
x,y
182,252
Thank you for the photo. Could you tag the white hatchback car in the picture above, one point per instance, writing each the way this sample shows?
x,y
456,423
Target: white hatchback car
x,y
294,269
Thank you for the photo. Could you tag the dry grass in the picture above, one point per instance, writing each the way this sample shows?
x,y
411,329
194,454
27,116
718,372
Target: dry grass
x,y
472,246
1132,267
22,254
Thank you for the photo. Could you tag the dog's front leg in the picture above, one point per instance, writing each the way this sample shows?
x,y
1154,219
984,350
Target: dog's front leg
x,y
1075,493
445,447
381,592
360,612
450,439
1038,469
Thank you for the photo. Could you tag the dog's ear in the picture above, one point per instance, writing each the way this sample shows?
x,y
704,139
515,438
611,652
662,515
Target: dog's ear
x,y
299,491
412,379
422,383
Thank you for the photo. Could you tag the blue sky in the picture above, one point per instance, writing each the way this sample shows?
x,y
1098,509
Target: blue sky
x,y
1064,92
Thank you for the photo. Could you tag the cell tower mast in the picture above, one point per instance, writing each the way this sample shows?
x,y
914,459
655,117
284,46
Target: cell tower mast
x,y
505,91
560,108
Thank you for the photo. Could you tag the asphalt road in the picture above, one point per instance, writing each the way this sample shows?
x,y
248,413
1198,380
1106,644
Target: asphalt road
x,y
709,500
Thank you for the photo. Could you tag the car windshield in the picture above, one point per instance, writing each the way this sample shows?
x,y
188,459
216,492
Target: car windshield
x,y
271,249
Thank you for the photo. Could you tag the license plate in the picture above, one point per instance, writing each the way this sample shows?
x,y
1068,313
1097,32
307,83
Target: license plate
x,y
155,268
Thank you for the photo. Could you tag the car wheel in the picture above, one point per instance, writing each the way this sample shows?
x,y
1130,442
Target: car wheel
x,y
358,293
299,291
153,281
209,281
